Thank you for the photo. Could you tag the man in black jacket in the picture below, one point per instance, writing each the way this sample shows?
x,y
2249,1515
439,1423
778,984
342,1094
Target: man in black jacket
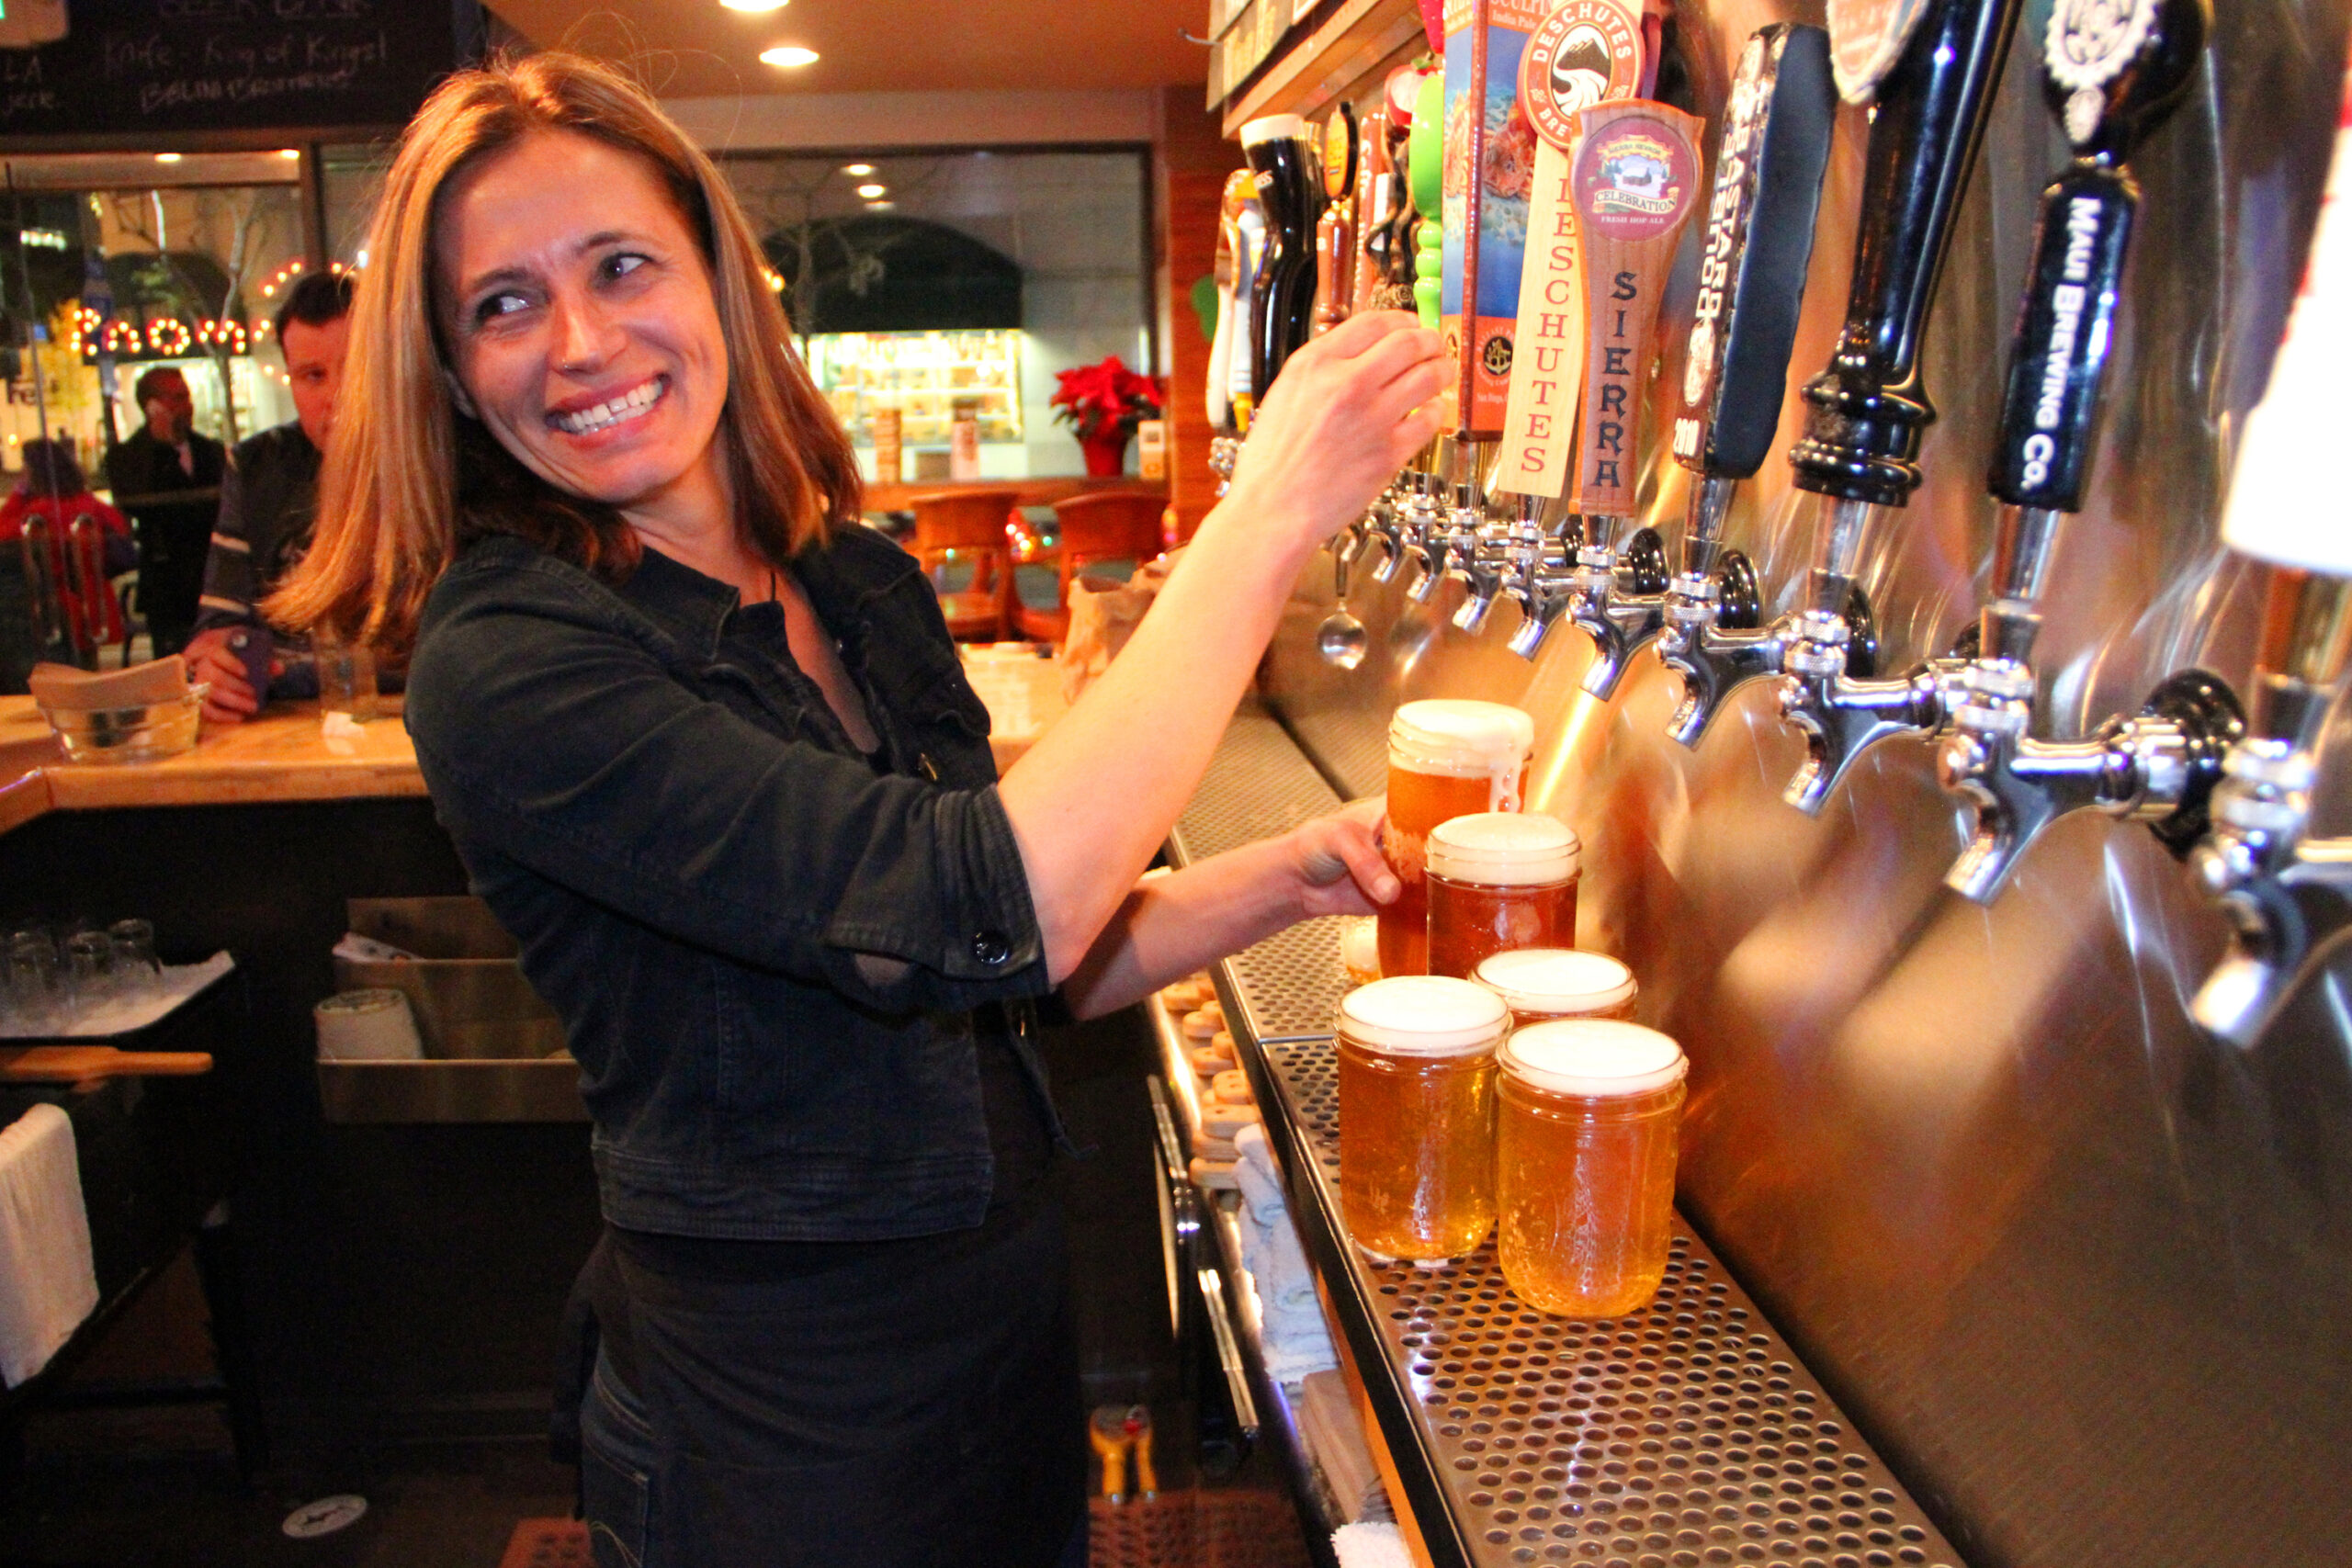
x,y
168,477
267,503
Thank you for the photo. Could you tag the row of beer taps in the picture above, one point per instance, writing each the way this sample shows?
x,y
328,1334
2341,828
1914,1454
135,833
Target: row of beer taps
x,y
2229,794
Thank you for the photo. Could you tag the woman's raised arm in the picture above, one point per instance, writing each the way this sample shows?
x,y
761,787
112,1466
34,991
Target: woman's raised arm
x,y
1093,800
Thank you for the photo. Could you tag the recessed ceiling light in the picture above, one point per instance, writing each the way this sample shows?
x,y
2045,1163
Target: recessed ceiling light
x,y
168,157
870,192
754,5
857,171
289,152
789,55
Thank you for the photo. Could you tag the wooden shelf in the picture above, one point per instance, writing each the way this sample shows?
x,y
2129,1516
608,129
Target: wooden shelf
x,y
1362,38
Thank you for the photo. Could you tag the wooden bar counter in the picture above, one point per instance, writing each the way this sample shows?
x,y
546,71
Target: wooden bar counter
x,y
280,755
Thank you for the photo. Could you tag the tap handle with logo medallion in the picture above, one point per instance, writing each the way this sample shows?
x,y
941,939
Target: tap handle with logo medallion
x,y
1634,181
2112,73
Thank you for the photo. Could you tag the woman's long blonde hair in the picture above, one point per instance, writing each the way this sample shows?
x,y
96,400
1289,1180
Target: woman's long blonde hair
x,y
408,480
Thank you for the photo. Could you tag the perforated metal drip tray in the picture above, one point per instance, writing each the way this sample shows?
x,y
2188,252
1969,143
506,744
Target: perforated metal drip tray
x,y
1687,1434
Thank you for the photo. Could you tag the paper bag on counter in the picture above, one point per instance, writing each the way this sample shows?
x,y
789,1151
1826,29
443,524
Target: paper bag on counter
x,y
1103,615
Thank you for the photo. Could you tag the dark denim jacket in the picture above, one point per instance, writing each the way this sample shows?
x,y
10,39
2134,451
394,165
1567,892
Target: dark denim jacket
x,y
661,806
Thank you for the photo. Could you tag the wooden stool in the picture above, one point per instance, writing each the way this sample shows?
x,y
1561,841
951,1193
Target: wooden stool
x,y
954,524
1109,524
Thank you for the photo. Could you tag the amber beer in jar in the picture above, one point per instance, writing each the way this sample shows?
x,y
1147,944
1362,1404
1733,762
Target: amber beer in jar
x,y
1584,1158
1446,758
1417,1116
1496,881
1541,984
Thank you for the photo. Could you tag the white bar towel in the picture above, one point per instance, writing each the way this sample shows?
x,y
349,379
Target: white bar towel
x,y
48,1280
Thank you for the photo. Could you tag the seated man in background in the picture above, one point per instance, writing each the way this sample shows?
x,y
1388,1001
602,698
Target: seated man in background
x,y
267,506
168,477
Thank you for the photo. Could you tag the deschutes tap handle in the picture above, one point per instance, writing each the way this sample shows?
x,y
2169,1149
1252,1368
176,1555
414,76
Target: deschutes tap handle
x,y
2059,352
1760,217
1870,409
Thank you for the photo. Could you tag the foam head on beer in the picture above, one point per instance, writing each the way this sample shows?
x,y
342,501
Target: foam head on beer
x,y
1446,758
1558,982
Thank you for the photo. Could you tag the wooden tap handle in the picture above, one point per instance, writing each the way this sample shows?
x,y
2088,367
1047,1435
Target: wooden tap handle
x,y
1634,181
1335,240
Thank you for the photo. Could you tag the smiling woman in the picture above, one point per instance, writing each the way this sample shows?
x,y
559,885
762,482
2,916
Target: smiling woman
x,y
707,753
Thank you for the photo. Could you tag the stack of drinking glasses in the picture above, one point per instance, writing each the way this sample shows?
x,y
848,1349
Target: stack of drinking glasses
x,y
61,978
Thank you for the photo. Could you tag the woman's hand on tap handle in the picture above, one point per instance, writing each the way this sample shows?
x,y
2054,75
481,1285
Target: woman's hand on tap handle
x,y
1349,409
1338,864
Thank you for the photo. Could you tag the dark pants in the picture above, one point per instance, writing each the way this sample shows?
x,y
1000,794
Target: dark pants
x,y
171,546
915,1405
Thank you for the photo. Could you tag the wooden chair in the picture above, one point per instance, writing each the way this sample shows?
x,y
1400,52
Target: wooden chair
x,y
1096,527
953,527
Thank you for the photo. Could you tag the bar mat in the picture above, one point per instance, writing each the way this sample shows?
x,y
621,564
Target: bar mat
x,y
1196,1529
547,1543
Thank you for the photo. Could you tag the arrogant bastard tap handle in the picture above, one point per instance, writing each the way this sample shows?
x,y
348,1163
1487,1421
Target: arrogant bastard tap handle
x,y
2111,73
1761,217
1869,407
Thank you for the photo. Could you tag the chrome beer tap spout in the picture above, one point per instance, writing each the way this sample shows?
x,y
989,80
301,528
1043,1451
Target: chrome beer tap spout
x,y
2158,766
1495,559
1541,579
1827,687
1453,532
2287,898
1711,637
1618,599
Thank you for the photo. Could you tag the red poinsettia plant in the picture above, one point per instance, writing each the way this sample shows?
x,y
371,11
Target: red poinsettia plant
x,y
1097,400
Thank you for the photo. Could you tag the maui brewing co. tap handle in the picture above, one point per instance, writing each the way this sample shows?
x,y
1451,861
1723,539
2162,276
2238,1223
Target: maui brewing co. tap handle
x,y
1930,66
1777,120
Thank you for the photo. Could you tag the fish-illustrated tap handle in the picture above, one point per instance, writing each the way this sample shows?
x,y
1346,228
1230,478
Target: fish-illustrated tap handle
x,y
1870,408
2049,413
1768,164
1634,183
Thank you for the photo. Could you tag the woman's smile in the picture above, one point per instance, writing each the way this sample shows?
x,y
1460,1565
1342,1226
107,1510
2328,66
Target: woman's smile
x,y
583,330
603,414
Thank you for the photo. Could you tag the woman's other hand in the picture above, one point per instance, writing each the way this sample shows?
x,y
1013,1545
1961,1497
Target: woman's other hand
x,y
1348,411
211,662
1337,863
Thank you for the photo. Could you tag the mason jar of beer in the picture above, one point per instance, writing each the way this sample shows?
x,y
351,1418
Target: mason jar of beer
x,y
1446,758
1584,1153
1497,880
1542,984
1417,1116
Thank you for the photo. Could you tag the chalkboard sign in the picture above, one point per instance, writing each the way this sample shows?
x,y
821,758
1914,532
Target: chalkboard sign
x,y
173,67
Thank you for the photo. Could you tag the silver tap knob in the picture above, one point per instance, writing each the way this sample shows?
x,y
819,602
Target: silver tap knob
x,y
1714,661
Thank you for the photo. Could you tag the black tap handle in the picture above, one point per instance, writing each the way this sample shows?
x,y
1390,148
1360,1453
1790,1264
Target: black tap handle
x,y
2111,73
1870,408
1768,164
2051,411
